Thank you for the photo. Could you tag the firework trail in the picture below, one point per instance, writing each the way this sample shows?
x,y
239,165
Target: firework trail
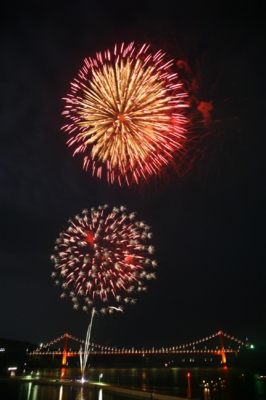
x,y
126,114
83,356
104,259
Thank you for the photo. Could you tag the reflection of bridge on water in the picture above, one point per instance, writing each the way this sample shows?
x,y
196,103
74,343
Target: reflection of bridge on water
x,y
196,347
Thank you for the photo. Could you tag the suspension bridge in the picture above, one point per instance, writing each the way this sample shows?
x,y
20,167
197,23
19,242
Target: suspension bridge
x,y
200,346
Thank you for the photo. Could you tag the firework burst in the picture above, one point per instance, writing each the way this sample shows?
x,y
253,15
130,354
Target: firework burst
x,y
103,258
126,114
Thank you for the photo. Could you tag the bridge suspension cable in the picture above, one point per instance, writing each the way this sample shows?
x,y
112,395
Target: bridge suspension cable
x,y
162,349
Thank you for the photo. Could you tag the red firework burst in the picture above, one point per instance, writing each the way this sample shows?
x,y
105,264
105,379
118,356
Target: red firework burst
x,y
103,258
125,111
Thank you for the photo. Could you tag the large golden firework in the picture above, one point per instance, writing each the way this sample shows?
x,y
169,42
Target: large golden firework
x,y
126,115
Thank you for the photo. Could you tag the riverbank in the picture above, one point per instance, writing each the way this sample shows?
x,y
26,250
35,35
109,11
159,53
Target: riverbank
x,y
106,387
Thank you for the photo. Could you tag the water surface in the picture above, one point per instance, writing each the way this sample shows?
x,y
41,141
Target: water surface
x,y
238,384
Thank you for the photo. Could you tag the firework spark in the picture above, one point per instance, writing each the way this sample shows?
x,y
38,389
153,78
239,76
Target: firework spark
x,y
125,111
103,258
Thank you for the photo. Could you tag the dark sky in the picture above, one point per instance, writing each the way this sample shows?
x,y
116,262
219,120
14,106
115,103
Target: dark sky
x,y
208,223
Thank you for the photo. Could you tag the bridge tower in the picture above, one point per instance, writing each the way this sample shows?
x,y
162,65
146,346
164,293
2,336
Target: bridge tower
x,y
64,357
222,347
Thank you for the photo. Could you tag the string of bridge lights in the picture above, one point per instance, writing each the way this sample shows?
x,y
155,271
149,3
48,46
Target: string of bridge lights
x,y
115,349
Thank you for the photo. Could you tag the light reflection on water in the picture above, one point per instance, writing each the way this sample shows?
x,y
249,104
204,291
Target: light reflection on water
x,y
29,390
240,385
35,391
100,395
61,393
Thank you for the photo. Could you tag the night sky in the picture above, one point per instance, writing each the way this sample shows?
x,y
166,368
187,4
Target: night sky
x,y
208,221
